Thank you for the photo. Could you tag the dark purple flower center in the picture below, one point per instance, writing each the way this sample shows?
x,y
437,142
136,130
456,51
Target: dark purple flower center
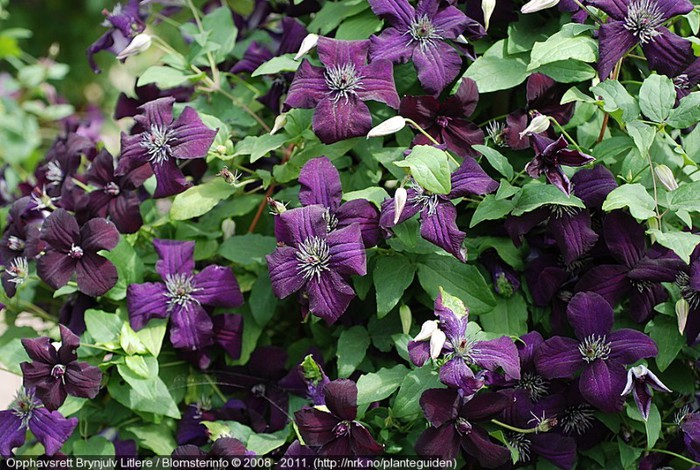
x,y
18,270
594,347
423,31
463,426
112,189
343,81
15,243
521,444
643,19
24,405
54,173
75,252
577,419
534,384
180,287
691,295
313,256
342,429
58,371
157,142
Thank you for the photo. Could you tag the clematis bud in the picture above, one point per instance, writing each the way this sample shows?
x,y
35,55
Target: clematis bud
x,y
139,44
682,311
430,331
461,39
280,122
538,125
665,176
487,6
400,197
276,207
537,5
388,127
307,44
640,381
228,228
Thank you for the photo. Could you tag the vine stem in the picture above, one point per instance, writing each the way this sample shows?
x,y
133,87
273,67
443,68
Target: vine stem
x,y
415,125
606,118
590,12
678,456
566,134
656,193
514,429
268,193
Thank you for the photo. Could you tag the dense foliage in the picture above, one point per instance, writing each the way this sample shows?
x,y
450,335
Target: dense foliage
x,y
453,228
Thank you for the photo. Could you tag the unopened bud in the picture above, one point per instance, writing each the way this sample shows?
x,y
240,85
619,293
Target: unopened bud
x,y
228,228
665,176
400,197
538,125
280,122
406,318
461,39
537,5
276,207
388,127
139,44
311,370
307,44
682,311
229,176
487,7
426,330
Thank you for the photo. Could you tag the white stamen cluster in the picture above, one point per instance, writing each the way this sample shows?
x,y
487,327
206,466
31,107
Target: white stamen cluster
x,y
314,256
687,292
180,289
54,173
343,81
157,142
643,19
424,32
594,347
18,270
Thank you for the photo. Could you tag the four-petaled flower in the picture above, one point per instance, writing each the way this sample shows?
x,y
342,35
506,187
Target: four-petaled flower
x,y
549,156
182,295
73,249
125,23
600,353
56,373
162,141
338,91
316,262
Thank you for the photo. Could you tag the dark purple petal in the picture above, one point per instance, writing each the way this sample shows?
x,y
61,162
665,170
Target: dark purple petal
x,y
169,179
463,102
602,383
51,429
460,135
82,380
391,45
396,12
98,234
362,442
450,21
624,237
437,66
457,374
146,301
176,257
329,296
333,52
608,280
95,274
133,154
422,109
516,123
41,350
659,265
55,268
495,353
439,405
440,228
644,299
478,444
284,272
303,223
364,214
386,218
347,251
470,179
628,346
193,137
320,184
378,83
573,234
228,447
124,212
593,186
190,327
217,286
308,87
253,57
484,406
559,357
315,426
158,113
60,230
442,442
341,398
668,53
419,352
12,433
228,333
616,9
642,397
615,41
590,314
558,449
342,119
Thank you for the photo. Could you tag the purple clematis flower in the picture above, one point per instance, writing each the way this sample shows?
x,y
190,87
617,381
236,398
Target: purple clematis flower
x,y
598,351
162,141
49,427
638,272
320,184
505,279
454,423
336,432
531,380
115,196
22,234
549,156
316,262
222,447
438,216
124,22
73,249
56,373
687,79
182,295
462,351
688,281
446,122
690,425
338,91
128,107
640,382
419,34
633,22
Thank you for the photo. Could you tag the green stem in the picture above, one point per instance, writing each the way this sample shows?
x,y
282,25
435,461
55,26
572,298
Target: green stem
x,y
595,17
82,185
415,125
38,311
216,389
566,134
656,193
678,456
514,429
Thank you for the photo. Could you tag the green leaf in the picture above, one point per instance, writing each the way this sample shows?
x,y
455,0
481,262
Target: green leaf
x,y
657,96
430,167
148,395
156,437
222,33
497,70
617,98
282,63
379,385
129,341
687,113
352,347
564,46
374,194
129,266
200,199
461,280
151,336
259,146
491,208
628,454
262,301
633,196
664,331
164,77
686,197
653,426
682,243
248,249
359,27
567,71
103,327
496,159
12,353
96,446
392,275
263,444
138,365
509,317
536,195
406,404
643,136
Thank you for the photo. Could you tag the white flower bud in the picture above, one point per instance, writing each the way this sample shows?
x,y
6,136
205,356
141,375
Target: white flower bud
x,y
139,44
437,341
538,125
426,330
461,39
400,197
280,122
487,6
388,127
537,5
307,44
228,228
665,176
682,311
